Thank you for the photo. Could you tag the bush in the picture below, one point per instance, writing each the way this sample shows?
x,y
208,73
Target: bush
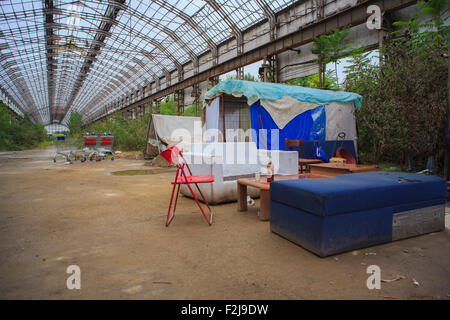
x,y
19,133
129,135
404,100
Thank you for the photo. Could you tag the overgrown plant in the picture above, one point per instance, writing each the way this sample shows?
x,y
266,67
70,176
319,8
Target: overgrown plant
x,y
19,133
404,100
75,123
313,81
130,134
330,48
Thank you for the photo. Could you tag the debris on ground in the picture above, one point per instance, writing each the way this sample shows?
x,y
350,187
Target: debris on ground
x,y
398,277
355,253
416,283
405,251
131,155
162,282
370,254
363,264
421,254
158,161
250,201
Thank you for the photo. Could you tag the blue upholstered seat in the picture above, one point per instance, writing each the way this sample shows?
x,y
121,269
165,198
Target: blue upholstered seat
x,y
333,215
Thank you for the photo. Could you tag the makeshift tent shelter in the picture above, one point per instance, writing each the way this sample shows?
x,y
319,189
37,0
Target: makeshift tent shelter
x,y
296,112
167,130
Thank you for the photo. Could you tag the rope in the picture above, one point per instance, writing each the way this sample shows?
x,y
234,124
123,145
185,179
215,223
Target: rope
x,y
260,121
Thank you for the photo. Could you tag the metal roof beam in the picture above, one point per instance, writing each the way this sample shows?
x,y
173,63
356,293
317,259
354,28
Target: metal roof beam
x,y
51,62
97,43
237,32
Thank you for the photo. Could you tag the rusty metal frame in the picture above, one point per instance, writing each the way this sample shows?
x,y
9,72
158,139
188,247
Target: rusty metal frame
x,y
351,16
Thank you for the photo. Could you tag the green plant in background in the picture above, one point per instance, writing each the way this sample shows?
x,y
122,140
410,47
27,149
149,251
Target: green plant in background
x,y
75,123
190,111
168,107
404,100
247,77
330,48
129,135
313,81
321,50
19,133
338,47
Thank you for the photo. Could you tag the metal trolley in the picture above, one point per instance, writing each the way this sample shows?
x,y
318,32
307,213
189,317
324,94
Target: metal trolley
x,y
97,146
105,143
65,146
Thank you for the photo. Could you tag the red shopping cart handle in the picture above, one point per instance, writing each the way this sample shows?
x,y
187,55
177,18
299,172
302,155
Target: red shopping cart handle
x,y
90,142
106,142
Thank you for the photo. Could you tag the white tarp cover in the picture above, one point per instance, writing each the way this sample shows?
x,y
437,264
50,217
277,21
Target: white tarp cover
x,y
285,109
176,130
340,118
212,120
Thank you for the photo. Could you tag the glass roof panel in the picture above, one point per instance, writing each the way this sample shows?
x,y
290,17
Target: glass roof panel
x,y
58,56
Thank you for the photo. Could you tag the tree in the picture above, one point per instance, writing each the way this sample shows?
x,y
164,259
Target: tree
x,y
338,46
330,48
18,133
75,123
404,100
320,48
313,81
247,77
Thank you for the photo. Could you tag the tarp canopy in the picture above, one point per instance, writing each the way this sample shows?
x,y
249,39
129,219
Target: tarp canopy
x,y
174,130
303,126
255,91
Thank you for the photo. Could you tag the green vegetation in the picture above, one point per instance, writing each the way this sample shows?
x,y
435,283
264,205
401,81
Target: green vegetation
x,y
19,133
247,77
168,107
314,81
75,124
129,134
330,48
404,100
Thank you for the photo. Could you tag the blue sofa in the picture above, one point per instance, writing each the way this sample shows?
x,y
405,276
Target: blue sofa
x,y
352,211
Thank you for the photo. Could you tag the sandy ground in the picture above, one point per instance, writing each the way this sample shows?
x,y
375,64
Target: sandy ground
x,y
112,227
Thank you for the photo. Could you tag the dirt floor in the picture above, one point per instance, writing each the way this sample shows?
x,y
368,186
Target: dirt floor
x,y
112,227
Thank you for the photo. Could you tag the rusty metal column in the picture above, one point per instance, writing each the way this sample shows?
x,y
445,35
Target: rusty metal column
x,y
179,101
240,73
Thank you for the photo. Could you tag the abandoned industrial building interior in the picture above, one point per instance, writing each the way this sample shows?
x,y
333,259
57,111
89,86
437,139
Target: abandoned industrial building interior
x,y
224,150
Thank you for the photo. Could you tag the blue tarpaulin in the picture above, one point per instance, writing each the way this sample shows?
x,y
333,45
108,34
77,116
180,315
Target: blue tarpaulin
x,y
302,126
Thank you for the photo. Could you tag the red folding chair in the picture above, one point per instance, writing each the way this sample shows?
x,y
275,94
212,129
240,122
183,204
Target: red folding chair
x,y
173,154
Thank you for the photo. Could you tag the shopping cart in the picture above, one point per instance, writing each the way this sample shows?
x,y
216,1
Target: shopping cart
x,y
97,146
66,147
89,149
105,143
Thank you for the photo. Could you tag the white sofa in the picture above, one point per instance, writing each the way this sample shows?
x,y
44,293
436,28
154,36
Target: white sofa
x,y
231,161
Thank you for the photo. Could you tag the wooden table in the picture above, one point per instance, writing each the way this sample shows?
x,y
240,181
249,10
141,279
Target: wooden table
x,y
302,162
334,169
264,187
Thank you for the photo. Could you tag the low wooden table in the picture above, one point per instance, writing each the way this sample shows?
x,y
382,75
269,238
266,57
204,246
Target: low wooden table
x,y
264,187
302,162
334,169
